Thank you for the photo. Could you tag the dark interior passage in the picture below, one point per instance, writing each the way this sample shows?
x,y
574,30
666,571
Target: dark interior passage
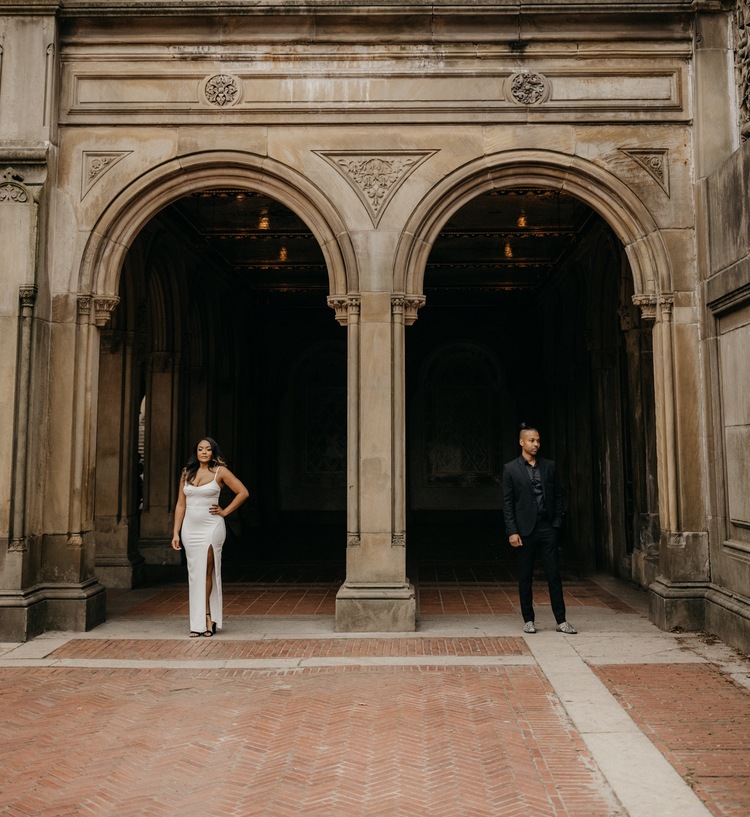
x,y
529,318
223,329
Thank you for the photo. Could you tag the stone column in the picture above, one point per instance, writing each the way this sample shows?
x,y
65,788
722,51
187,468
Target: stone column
x,y
677,594
118,562
377,595
162,461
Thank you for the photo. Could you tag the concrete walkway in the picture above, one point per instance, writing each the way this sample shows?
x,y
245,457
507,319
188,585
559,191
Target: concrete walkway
x,y
280,715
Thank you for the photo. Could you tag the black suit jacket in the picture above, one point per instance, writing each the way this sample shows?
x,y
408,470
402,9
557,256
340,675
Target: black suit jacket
x,y
519,503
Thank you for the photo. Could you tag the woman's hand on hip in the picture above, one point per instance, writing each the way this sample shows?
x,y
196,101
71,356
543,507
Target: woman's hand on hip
x,y
216,510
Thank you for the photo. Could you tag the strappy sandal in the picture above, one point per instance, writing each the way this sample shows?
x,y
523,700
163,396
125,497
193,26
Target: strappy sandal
x,y
194,634
211,629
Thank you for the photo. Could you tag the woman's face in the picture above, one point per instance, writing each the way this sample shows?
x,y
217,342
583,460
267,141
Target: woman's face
x,y
203,451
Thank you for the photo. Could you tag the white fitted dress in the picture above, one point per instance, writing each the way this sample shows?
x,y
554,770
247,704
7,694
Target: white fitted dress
x,y
201,530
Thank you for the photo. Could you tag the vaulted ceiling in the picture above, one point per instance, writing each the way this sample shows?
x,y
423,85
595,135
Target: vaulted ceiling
x,y
500,242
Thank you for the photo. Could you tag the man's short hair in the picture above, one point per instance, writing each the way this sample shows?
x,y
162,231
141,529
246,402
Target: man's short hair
x,y
527,427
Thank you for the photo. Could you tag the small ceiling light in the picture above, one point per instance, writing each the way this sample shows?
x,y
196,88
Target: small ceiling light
x,y
522,219
264,221
282,254
508,252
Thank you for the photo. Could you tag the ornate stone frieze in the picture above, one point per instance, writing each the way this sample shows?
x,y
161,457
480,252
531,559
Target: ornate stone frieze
x,y
95,164
398,540
655,162
376,176
742,64
353,540
17,545
10,188
528,88
221,90
344,306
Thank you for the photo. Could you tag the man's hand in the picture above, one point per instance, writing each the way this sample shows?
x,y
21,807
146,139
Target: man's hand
x,y
515,541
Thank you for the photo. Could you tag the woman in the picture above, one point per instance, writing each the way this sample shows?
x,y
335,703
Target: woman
x,y
201,519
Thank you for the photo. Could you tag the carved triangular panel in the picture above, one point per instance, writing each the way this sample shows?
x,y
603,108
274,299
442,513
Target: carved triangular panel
x,y
375,176
655,162
95,164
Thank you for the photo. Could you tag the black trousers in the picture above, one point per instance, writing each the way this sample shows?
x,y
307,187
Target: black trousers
x,y
542,541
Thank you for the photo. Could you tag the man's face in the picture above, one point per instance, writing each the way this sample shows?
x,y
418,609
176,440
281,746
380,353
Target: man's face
x,y
530,442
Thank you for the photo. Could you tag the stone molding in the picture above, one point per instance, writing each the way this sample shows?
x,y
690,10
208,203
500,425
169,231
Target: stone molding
x,y
742,64
27,296
375,176
95,164
103,309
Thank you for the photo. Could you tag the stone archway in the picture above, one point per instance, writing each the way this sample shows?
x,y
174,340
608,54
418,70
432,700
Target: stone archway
x,y
175,337
634,228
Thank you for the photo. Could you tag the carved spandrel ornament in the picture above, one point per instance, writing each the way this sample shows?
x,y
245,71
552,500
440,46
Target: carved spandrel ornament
x,y
375,176
221,90
655,162
528,88
742,64
11,191
95,164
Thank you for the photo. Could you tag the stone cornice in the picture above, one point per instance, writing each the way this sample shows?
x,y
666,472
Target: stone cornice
x,y
129,8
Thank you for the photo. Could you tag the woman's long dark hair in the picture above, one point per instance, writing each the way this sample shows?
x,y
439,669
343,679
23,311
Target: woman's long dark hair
x,y
192,466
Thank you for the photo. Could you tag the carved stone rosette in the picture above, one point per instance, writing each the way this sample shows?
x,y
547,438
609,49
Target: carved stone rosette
x,y
344,306
221,90
528,88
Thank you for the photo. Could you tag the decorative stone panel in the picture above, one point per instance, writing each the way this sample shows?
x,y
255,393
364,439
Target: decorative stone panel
x,y
655,162
95,164
375,176
742,63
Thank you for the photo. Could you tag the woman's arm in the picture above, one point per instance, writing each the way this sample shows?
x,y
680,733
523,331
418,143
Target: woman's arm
x,y
226,477
179,515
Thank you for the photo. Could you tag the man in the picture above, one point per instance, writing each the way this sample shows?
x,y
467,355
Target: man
x,y
533,509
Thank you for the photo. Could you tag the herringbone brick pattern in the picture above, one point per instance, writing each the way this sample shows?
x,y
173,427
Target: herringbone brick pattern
x,y
220,649
349,742
457,596
699,719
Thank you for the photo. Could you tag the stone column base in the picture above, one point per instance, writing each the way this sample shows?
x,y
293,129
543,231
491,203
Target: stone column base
x,y
28,613
677,605
376,608
121,573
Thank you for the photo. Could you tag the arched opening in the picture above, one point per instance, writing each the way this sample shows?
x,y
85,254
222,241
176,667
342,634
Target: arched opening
x,y
529,317
223,330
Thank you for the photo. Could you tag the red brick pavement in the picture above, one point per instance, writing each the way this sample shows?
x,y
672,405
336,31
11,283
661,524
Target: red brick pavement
x,y
699,719
225,649
345,742
457,597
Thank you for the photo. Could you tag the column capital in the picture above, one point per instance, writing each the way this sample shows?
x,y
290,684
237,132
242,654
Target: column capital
x,y
104,306
344,306
649,303
407,305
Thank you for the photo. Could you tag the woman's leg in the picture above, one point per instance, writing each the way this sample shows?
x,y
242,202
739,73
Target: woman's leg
x,y
209,578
